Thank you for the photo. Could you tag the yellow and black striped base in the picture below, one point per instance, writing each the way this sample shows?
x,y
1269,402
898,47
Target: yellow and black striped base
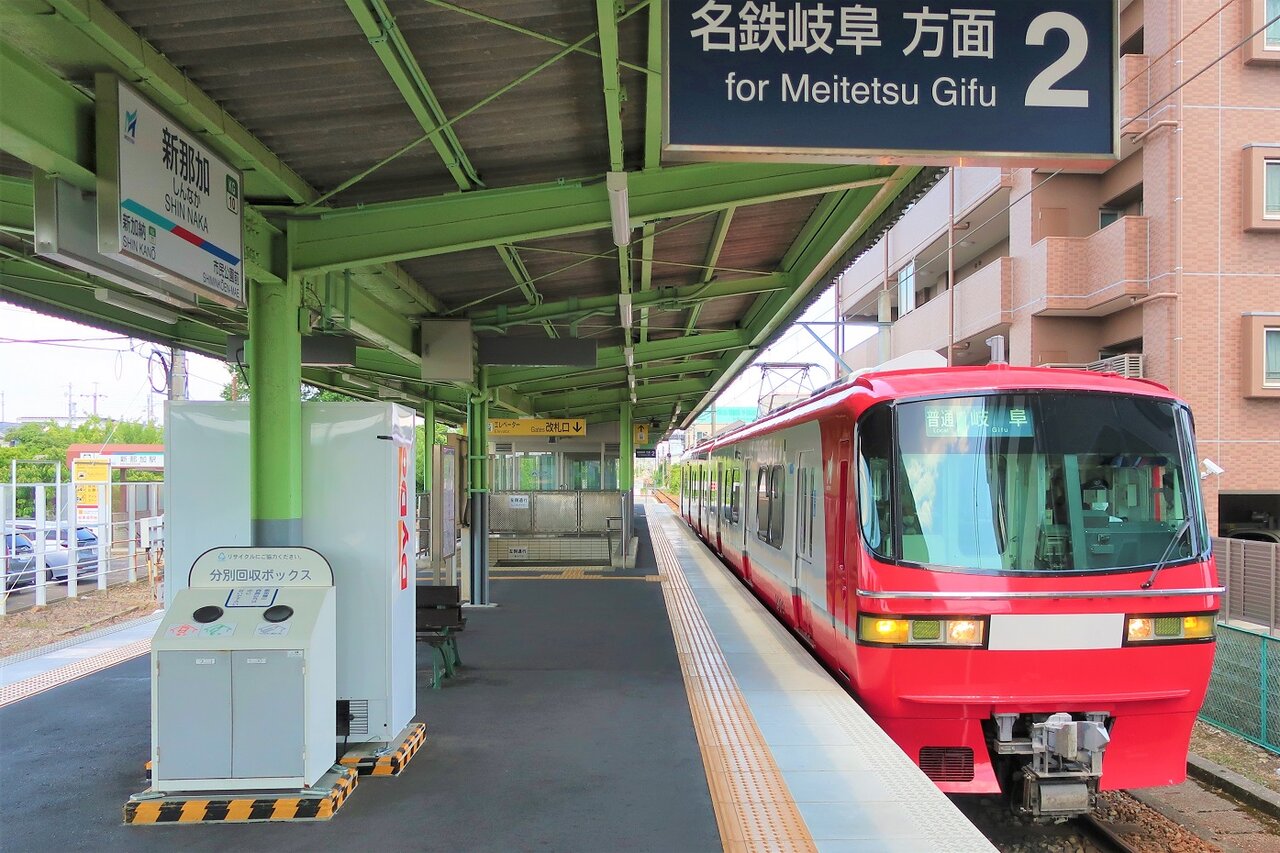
x,y
142,810
392,762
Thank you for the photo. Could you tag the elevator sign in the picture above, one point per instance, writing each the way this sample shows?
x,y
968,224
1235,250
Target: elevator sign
x,y
892,80
167,204
537,427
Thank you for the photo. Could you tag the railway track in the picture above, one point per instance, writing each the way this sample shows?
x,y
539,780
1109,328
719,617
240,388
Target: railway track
x,y
1102,834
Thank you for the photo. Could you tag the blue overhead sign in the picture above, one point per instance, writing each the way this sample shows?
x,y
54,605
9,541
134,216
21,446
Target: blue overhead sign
x,y
892,80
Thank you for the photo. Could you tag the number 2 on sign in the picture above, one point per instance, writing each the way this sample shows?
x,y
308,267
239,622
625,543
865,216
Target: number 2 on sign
x,y
1041,92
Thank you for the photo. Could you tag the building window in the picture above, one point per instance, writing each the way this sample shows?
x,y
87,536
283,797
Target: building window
x,y
1261,186
1261,31
907,288
1271,358
1271,187
1261,354
1106,216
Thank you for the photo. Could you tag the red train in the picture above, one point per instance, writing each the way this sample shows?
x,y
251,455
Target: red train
x,y
1009,566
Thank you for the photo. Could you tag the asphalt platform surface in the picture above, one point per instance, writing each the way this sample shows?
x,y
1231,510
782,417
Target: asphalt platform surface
x,y
567,729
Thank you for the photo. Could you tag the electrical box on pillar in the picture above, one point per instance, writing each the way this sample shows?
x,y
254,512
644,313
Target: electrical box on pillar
x,y
243,673
358,510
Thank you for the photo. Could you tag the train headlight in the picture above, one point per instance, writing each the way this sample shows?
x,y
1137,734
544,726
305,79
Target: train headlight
x,y
875,630
921,632
1173,628
964,632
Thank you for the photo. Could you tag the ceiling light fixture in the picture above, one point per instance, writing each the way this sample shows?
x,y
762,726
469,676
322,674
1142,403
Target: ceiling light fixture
x,y
619,207
137,306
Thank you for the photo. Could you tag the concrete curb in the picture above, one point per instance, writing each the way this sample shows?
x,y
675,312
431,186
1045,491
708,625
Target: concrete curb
x,y
28,654
1230,782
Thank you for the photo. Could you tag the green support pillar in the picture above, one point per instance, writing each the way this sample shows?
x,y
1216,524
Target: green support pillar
x,y
275,413
626,475
478,457
429,442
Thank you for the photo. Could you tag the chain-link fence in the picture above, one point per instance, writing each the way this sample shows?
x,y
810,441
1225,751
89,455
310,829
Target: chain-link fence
x,y
1244,692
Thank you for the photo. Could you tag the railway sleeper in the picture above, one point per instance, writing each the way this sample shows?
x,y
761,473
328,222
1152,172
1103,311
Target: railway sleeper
x,y
1056,762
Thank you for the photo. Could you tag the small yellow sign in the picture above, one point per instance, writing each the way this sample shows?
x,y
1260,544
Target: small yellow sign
x,y
641,433
537,427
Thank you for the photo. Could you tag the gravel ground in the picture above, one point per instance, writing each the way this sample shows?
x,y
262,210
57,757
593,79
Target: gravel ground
x,y
1237,754
89,611
1145,829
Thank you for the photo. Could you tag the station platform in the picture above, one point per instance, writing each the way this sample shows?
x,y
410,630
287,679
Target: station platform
x,y
659,708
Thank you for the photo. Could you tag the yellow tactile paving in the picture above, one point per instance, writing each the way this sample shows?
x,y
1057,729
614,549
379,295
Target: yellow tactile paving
x,y
18,690
754,809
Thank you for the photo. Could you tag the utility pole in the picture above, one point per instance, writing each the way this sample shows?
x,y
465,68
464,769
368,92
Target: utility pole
x,y
71,406
151,402
178,375
94,396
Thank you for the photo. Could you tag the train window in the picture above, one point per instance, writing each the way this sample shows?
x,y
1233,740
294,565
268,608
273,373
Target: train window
x,y
735,496
1050,481
777,505
875,499
762,503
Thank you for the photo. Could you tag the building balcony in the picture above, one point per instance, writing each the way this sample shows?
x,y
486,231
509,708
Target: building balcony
x,y
1134,92
1095,275
982,309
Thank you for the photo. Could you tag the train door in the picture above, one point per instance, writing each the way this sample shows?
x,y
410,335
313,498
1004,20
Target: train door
x,y
722,499
802,542
840,548
744,517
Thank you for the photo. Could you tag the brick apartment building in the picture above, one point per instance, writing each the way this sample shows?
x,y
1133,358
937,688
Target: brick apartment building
x,y
1167,265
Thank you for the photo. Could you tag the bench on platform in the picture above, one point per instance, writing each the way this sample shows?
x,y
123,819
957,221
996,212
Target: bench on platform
x,y
438,619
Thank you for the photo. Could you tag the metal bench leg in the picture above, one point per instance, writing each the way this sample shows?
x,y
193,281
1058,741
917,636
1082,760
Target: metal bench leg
x,y
439,666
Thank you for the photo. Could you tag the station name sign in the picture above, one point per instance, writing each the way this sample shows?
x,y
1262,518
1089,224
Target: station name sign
x,y
167,204
892,80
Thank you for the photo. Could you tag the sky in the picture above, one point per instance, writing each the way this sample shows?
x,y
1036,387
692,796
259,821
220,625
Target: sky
x,y
34,377
42,357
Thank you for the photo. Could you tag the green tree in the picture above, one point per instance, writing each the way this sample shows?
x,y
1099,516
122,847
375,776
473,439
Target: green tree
x,y
41,448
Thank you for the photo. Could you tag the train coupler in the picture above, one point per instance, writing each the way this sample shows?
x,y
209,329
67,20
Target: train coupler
x,y
1060,779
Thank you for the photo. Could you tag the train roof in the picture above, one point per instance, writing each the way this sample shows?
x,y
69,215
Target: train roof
x,y
855,395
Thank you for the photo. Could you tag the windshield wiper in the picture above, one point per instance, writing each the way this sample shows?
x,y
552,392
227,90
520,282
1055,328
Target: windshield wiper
x,y
1164,558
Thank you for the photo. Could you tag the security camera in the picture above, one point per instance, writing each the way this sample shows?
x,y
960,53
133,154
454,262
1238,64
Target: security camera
x,y
1211,467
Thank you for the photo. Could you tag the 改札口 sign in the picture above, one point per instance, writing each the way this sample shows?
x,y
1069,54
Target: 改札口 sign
x,y
167,203
892,81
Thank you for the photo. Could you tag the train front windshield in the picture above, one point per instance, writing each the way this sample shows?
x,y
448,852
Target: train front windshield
x,y
1046,481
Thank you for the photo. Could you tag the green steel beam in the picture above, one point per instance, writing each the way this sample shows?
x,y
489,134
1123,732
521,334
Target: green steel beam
x,y
17,200
127,53
812,257
379,26
511,259
388,42
44,121
516,28
661,411
612,357
652,145
69,294
391,231
593,399
718,236
594,378
382,326
607,22
665,297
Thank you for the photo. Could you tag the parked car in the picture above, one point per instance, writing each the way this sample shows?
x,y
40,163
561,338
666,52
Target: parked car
x,y
20,562
1272,536
55,538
